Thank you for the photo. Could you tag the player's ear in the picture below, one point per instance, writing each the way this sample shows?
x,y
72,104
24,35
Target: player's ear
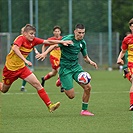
x,y
74,31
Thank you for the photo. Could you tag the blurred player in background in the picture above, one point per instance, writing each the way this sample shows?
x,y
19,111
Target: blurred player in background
x,y
70,68
126,56
54,57
127,46
15,64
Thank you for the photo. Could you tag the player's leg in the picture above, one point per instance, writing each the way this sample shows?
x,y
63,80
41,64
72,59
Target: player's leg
x,y
55,65
48,76
4,88
131,95
85,99
28,76
7,79
127,74
23,86
67,82
83,80
58,84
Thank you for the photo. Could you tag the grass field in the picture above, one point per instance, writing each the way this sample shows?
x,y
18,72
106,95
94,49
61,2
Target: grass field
x,y
26,113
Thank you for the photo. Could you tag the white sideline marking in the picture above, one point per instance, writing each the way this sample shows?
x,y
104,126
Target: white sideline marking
x,y
28,93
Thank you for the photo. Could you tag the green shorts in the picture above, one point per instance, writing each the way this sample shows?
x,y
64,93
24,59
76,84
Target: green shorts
x,y
68,74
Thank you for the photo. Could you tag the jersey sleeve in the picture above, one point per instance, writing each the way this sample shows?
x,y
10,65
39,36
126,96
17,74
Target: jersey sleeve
x,y
38,41
18,41
84,49
124,44
46,45
64,38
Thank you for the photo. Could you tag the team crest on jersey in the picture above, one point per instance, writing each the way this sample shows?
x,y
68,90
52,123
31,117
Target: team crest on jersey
x,y
7,81
81,45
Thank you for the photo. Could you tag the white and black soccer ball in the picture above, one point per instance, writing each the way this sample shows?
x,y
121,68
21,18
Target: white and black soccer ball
x,y
84,78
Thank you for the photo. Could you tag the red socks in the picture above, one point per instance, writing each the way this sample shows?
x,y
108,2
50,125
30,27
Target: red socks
x,y
47,77
131,98
43,95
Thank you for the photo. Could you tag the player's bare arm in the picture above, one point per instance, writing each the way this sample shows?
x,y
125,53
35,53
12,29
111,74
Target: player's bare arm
x,y
43,48
15,48
43,55
52,42
88,60
36,51
121,55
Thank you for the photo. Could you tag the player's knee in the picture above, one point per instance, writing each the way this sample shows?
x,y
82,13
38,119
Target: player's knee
x,y
4,90
87,87
71,96
37,85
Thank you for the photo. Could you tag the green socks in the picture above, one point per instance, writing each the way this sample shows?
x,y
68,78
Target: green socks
x,y
84,106
23,83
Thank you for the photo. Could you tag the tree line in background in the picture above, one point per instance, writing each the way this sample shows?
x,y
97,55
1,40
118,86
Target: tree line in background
x,y
93,14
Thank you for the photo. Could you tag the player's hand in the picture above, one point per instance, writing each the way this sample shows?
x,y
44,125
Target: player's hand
x,y
41,56
28,63
94,64
66,43
120,61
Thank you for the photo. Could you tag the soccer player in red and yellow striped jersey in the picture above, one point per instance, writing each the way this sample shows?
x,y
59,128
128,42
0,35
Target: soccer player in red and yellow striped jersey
x,y
127,45
54,57
15,64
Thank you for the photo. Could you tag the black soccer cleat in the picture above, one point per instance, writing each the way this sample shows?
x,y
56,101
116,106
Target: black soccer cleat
x,y
61,89
125,72
131,107
43,81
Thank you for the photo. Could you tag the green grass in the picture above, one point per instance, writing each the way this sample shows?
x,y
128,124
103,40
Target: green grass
x,y
26,113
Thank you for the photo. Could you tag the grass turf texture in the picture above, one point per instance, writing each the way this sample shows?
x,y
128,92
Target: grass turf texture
x,y
25,112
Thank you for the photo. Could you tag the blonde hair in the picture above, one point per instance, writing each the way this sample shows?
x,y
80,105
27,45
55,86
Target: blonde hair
x,y
27,28
22,30
131,22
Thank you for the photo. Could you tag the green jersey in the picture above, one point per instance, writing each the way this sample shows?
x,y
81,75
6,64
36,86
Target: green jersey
x,y
69,54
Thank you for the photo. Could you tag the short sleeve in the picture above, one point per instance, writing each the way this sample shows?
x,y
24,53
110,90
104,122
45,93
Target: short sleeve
x,y
18,41
124,44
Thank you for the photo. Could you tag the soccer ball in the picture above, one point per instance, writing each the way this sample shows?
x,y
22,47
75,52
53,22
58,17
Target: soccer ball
x,y
84,77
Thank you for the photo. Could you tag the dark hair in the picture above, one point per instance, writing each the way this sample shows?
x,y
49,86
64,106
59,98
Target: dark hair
x,y
28,27
56,27
79,26
131,22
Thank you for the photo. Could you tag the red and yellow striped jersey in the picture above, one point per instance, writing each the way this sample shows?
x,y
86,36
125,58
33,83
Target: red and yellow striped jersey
x,y
127,44
13,62
56,51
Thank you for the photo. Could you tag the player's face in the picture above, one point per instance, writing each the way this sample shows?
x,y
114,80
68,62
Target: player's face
x,y
57,32
30,35
79,34
131,28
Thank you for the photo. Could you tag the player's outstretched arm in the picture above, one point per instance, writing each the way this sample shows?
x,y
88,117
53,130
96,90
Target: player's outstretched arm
x,y
43,55
88,60
121,55
52,42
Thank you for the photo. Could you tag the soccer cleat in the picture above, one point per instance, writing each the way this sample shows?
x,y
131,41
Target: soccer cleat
x,y
58,83
131,107
23,89
43,81
125,72
86,113
61,89
53,106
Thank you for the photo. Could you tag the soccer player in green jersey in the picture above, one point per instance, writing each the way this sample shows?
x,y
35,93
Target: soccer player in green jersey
x,y
70,68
